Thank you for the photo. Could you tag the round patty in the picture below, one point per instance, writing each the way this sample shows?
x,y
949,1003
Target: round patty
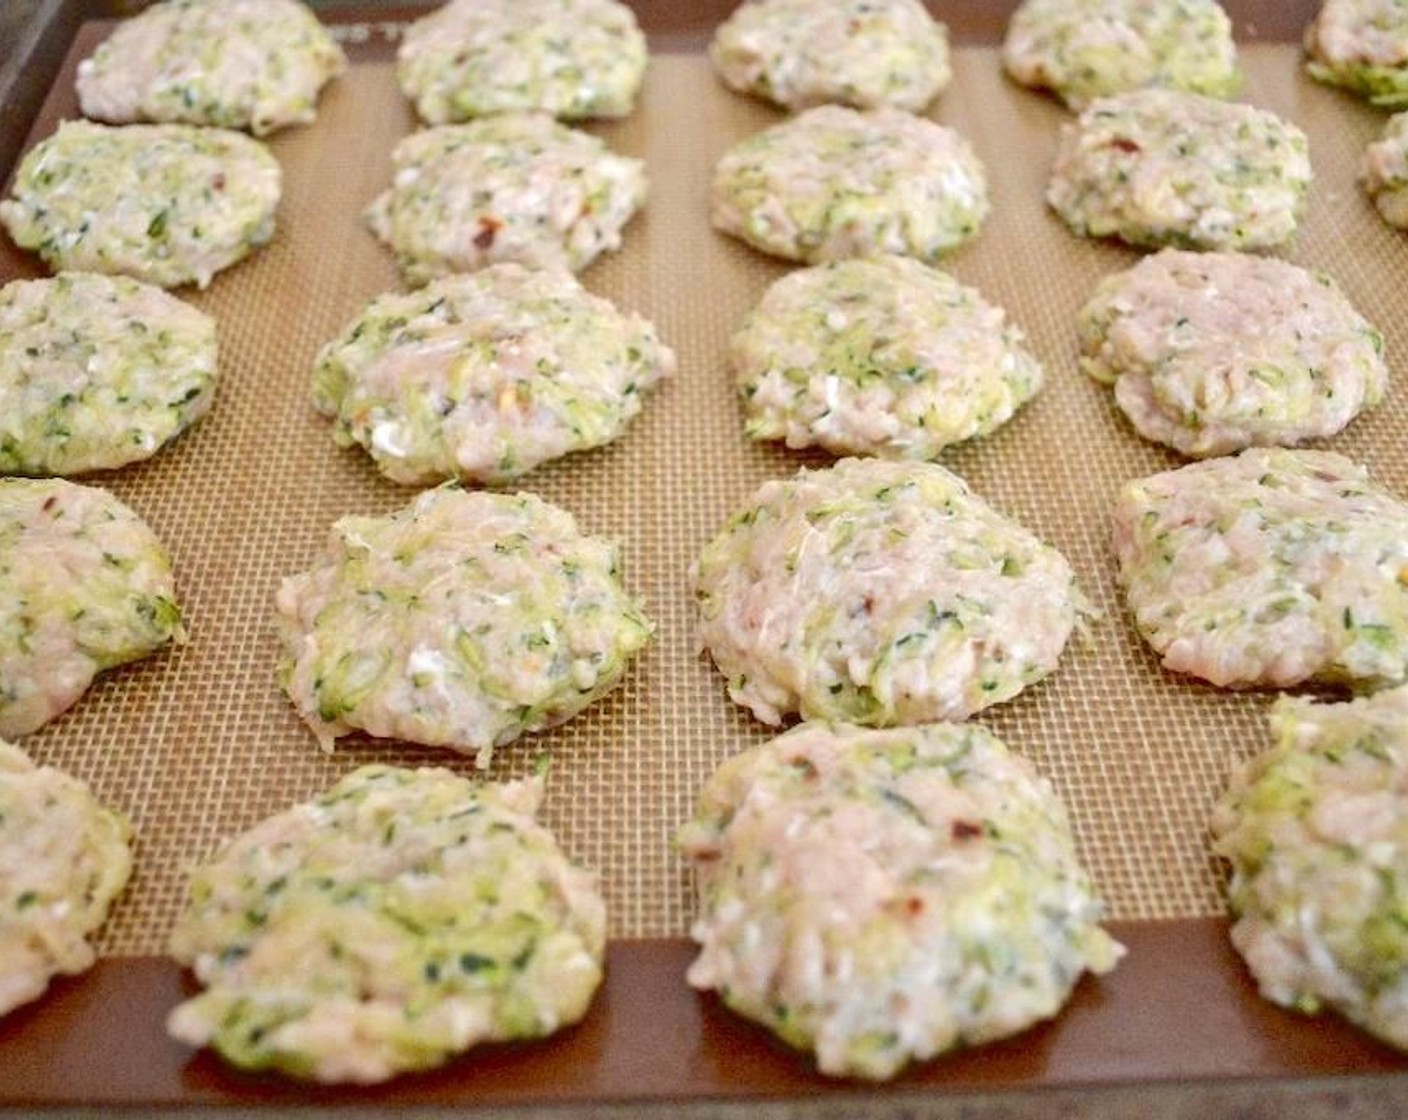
x,y
486,376
84,586
1363,46
394,921
517,187
63,859
1385,171
1084,49
463,620
866,53
1161,167
836,182
170,204
569,58
1316,831
1275,567
884,896
882,356
252,64
880,593
1213,352
97,372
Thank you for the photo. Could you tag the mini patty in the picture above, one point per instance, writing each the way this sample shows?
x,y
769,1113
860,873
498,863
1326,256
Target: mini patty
x,y
1160,167
1316,831
463,620
64,858
486,376
865,53
1361,45
1084,49
170,204
392,922
1213,352
249,64
880,593
1273,568
881,356
84,586
97,372
519,187
881,897
571,59
836,182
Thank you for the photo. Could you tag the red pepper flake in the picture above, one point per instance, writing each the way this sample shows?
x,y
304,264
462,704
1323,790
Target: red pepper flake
x,y
1125,144
218,182
488,230
966,830
49,503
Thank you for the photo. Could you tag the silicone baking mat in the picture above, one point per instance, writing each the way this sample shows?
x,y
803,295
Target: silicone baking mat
x,y
199,743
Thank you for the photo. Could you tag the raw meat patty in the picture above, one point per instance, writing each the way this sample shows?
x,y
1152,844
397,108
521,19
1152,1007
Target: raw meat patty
x,y
251,64
881,897
486,376
1084,49
392,922
1213,352
1316,830
63,859
1363,46
568,58
84,586
1160,167
880,593
881,356
170,204
97,372
1274,568
518,187
1385,171
865,53
836,182
463,620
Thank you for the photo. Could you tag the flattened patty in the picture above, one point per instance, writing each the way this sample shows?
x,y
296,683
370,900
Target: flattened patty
x,y
1275,567
884,896
833,183
881,356
392,922
1213,352
880,593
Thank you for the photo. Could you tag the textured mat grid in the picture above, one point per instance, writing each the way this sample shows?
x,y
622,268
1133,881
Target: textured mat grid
x,y
200,743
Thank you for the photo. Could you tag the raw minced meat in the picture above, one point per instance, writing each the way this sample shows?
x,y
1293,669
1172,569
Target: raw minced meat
x,y
1213,352
518,187
64,858
881,897
1316,831
1084,49
1385,171
865,53
571,59
463,620
835,182
170,204
1274,567
392,922
251,64
485,376
882,356
97,372
1363,46
1161,167
880,593
84,586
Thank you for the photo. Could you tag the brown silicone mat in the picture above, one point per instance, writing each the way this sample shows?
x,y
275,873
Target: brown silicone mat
x,y
200,743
